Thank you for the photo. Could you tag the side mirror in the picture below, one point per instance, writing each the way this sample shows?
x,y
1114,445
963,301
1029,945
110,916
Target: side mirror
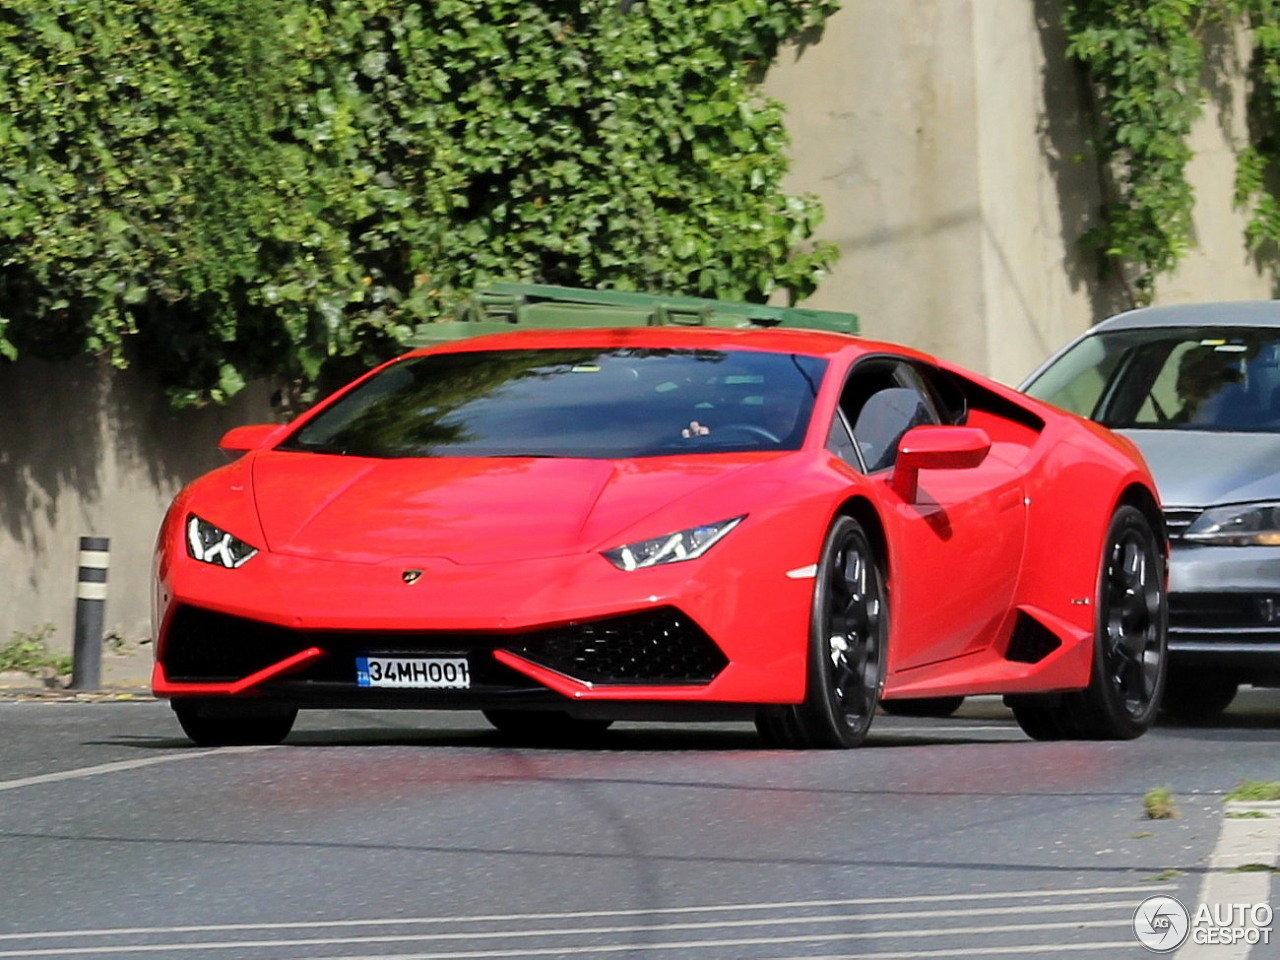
x,y
936,448
240,440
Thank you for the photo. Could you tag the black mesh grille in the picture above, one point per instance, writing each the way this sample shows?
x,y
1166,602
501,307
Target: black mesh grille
x,y
203,646
657,646
206,646
1032,641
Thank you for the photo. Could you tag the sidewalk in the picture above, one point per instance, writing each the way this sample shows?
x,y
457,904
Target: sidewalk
x,y
125,676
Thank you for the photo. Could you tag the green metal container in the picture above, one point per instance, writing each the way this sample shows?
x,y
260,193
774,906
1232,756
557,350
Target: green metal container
x,y
512,306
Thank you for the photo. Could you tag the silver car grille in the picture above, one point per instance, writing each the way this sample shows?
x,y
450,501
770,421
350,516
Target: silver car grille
x,y
1177,519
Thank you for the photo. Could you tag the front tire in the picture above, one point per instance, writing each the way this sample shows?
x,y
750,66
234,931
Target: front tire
x,y
848,636
1130,654
220,725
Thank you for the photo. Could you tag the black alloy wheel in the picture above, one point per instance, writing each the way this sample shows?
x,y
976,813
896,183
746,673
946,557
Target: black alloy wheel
x,y
849,628
1133,619
1130,657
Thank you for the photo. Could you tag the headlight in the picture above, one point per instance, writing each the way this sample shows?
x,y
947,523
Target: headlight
x,y
672,548
1239,525
209,544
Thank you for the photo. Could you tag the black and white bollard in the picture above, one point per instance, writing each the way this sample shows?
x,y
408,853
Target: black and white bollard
x,y
91,603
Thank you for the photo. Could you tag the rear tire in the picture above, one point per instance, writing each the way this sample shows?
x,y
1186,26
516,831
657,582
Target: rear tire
x,y
1198,697
223,726
1130,653
848,636
937,707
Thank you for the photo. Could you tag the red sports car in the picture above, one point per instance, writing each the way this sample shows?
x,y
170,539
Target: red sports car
x,y
565,528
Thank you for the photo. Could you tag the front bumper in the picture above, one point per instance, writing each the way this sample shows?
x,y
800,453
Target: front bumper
x,y
658,647
552,631
1224,610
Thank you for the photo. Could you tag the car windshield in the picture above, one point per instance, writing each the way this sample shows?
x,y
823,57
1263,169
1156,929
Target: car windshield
x,y
598,403
1164,378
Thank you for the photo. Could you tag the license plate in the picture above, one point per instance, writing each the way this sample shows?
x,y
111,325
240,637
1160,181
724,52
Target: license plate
x,y
432,673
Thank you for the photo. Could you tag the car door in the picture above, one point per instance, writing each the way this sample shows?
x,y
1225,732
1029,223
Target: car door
x,y
957,545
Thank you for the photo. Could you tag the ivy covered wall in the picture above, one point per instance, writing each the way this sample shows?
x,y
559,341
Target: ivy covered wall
x,y
1152,66
227,188
951,142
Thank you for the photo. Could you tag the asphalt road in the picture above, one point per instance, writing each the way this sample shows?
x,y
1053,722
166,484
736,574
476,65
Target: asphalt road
x,y
379,835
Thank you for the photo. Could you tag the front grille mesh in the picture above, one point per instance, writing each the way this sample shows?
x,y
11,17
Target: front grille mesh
x,y
660,646
205,646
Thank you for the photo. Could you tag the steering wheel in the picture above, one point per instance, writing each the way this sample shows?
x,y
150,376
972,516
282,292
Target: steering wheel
x,y
751,428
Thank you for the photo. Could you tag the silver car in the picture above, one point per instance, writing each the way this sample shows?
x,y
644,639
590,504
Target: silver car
x,y
1197,388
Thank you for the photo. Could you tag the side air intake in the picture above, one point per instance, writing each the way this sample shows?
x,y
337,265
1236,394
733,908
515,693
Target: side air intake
x,y
1032,641
660,646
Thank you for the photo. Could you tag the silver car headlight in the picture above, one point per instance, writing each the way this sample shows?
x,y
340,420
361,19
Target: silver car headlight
x,y
210,544
1238,525
672,547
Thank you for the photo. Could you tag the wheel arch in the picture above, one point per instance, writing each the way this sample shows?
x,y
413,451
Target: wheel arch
x,y
842,689
1144,499
862,510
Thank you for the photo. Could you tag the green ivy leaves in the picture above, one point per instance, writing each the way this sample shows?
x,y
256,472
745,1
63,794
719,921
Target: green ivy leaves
x,y
1145,59
1258,171
237,188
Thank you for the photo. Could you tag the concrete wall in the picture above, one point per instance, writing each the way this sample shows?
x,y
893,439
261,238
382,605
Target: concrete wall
x,y
90,451
881,115
1219,266
948,141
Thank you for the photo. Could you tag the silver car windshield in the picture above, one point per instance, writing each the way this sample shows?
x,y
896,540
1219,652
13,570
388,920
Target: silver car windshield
x,y
1163,378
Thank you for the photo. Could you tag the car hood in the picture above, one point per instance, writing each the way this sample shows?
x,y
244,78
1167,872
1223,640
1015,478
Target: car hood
x,y
469,510
1195,468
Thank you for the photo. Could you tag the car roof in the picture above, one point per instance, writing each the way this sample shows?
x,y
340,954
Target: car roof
x,y
1227,313
781,340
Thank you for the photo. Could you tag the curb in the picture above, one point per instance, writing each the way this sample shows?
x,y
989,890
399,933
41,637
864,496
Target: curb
x,y
1239,871
124,685
1253,809
28,693
122,676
